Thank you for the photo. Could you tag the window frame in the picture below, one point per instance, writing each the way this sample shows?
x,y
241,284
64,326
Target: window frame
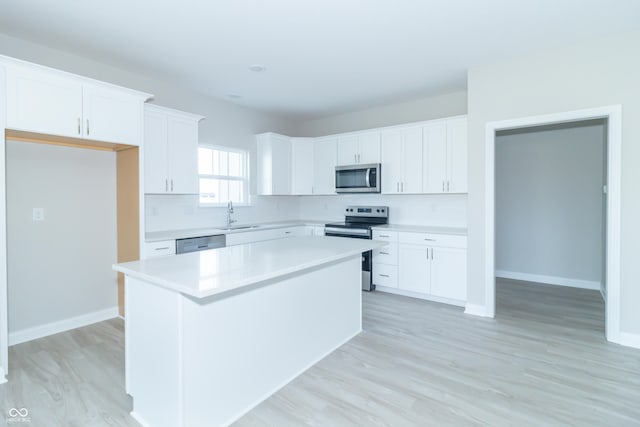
x,y
246,178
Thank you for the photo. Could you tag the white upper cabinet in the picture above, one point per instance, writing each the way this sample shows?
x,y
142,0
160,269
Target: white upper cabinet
x,y
324,166
302,166
402,161
445,156
170,151
360,148
48,101
457,155
43,102
111,116
274,164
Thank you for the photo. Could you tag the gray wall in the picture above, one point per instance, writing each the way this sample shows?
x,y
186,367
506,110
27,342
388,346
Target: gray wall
x,y
592,73
61,267
549,203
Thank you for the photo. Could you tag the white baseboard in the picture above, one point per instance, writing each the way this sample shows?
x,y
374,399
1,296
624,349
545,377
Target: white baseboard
x,y
627,339
36,332
476,310
549,280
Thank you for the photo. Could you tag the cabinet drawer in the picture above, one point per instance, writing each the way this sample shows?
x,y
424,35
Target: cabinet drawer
x,y
387,236
164,247
433,239
386,255
385,275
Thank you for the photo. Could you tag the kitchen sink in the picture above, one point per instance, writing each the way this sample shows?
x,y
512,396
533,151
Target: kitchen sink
x,y
241,227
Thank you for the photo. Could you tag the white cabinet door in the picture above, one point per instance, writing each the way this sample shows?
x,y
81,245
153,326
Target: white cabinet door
x,y
43,102
434,157
348,150
182,135
411,161
369,148
449,273
457,155
281,164
414,268
392,161
302,164
111,116
156,179
273,164
324,166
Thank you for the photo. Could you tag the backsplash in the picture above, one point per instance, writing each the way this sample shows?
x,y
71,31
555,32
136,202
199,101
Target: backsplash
x,y
176,212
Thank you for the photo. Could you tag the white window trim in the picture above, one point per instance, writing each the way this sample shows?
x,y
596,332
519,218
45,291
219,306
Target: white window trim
x,y
246,178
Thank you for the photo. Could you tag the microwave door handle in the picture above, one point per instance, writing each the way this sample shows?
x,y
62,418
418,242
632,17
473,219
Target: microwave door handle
x,y
367,180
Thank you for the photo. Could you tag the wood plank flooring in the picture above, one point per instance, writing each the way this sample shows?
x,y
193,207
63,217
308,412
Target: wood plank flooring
x,y
542,362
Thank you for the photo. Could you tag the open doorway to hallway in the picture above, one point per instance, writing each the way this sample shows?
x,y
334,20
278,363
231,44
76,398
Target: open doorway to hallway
x,y
550,220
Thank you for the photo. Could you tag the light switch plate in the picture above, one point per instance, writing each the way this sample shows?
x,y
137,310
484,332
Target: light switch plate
x,y
38,214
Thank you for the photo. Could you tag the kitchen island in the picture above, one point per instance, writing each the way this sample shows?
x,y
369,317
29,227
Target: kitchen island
x,y
209,335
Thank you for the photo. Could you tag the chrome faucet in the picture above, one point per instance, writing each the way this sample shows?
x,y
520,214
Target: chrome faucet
x,y
229,212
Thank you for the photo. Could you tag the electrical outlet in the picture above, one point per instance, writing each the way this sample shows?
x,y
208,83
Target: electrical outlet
x,y
38,214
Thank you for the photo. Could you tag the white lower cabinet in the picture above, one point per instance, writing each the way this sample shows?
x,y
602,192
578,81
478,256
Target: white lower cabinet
x,y
424,265
156,249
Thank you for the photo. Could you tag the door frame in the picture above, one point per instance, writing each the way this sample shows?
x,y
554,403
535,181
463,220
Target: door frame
x,y
613,114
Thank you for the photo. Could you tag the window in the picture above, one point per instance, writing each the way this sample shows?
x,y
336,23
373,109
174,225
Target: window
x,y
223,175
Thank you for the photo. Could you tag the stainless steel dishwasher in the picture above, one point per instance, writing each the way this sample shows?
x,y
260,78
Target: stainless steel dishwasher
x,y
201,243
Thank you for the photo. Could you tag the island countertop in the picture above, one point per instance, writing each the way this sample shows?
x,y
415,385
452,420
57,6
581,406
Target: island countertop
x,y
218,271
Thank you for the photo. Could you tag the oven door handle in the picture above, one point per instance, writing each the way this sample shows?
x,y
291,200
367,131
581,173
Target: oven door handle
x,y
367,180
342,232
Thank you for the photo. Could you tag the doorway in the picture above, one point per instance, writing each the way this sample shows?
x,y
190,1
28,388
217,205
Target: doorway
x,y
611,268
550,220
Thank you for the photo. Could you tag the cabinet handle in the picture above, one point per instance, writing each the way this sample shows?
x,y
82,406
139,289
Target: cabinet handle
x,y
287,232
397,187
443,185
383,235
166,185
87,126
402,187
383,275
358,158
447,186
432,254
162,249
172,185
355,158
430,240
79,131
384,253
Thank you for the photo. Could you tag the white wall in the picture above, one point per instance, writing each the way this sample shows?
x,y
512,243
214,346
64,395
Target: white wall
x,y
549,219
226,124
590,74
435,107
61,267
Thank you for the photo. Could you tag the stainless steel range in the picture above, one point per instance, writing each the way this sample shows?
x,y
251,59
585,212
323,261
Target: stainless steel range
x,y
357,224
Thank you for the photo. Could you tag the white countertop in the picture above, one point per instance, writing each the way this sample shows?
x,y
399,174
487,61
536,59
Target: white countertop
x,y
457,231
157,236
217,271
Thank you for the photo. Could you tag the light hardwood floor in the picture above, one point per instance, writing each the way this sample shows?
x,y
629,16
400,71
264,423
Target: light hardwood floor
x,y
542,362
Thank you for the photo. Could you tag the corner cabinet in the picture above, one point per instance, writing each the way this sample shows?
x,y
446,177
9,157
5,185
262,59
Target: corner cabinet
x,y
324,166
170,151
274,164
52,102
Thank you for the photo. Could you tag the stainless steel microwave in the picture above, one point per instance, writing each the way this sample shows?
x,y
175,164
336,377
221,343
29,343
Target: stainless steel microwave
x,y
358,178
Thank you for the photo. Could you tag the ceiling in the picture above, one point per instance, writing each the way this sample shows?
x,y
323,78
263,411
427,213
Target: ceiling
x,y
322,57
